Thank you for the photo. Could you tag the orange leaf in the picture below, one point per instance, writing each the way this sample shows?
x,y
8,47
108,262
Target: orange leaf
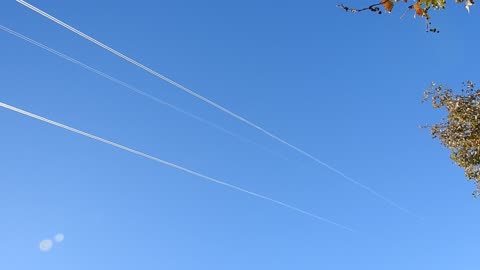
x,y
388,5
419,10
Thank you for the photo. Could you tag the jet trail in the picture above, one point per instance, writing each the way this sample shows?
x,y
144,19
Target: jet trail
x,y
221,108
134,89
173,165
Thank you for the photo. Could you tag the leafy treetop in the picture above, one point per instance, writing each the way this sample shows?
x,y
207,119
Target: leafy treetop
x,y
460,130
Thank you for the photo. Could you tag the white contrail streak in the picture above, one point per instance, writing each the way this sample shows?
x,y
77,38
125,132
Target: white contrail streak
x,y
134,89
178,167
208,101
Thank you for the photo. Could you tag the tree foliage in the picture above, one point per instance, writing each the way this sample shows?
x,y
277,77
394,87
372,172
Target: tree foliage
x,y
460,130
420,8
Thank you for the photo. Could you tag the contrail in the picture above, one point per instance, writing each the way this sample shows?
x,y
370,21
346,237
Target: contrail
x,y
136,90
221,108
178,167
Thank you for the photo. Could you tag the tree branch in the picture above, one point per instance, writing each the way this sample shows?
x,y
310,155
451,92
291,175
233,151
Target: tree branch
x,y
373,8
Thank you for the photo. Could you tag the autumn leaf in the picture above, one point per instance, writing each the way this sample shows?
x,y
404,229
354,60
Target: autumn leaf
x,y
388,5
419,10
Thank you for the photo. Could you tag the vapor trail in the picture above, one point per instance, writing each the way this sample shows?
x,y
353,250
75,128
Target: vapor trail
x,y
221,108
136,90
178,167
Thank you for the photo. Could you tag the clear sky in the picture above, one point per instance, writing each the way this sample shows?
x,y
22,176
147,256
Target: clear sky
x,y
345,87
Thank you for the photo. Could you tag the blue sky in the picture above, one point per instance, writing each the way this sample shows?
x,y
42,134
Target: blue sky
x,y
346,88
